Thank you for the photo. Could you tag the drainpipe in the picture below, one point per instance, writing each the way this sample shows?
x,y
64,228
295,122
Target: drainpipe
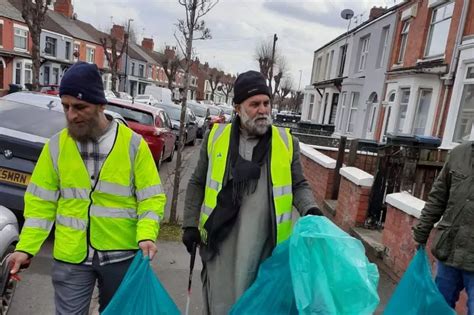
x,y
454,62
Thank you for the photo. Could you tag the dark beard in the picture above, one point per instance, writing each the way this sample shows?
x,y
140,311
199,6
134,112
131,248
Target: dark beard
x,y
90,131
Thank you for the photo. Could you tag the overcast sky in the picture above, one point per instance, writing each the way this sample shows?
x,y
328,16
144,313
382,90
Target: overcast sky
x,y
237,27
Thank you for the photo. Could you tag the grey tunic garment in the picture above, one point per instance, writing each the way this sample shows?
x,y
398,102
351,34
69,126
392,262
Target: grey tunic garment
x,y
252,238
234,269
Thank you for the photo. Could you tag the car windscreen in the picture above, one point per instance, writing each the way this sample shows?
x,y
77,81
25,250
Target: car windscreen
x,y
19,118
214,111
228,110
172,111
132,114
199,111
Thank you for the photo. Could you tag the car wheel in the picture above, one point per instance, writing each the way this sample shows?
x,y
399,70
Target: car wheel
x,y
170,158
7,292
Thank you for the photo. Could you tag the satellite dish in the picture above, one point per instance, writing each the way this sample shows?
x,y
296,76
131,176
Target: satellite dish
x,y
347,14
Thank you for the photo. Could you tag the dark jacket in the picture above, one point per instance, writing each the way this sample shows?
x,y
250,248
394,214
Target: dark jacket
x,y
451,200
303,198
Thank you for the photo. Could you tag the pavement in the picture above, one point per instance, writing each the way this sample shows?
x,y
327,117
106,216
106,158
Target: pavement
x,y
35,295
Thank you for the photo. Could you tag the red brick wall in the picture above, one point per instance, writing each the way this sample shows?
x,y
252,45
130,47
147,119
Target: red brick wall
x,y
352,205
397,237
320,179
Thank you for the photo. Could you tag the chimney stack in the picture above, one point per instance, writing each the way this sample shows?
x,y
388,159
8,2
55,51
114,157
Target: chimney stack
x,y
376,13
118,32
64,7
148,43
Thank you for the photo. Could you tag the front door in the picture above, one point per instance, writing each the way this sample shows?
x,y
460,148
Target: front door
x,y
1,76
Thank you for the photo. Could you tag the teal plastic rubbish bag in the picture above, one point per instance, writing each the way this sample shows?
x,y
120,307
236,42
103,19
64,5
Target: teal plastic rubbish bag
x,y
320,270
330,272
272,291
141,293
416,293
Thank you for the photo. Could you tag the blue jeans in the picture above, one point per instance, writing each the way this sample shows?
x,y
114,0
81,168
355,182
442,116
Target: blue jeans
x,y
451,281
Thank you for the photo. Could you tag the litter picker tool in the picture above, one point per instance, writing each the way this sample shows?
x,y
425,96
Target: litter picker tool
x,y
191,267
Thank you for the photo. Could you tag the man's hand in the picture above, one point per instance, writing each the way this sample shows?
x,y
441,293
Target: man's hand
x,y
148,248
18,260
191,236
314,211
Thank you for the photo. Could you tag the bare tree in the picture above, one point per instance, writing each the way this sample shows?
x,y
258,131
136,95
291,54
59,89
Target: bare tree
x,y
282,69
286,87
214,76
264,58
117,48
34,13
228,86
171,63
191,28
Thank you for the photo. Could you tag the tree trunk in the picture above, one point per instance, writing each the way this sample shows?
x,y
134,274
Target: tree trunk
x,y
36,61
187,79
114,81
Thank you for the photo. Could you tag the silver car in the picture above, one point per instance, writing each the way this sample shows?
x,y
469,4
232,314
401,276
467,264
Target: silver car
x,y
8,238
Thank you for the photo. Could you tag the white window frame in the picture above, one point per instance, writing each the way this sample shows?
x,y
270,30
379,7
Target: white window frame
x,y
342,111
2,30
329,67
384,46
417,113
403,41
364,52
353,107
78,46
23,36
312,99
90,54
466,81
319,61
23,71
432,27
55,51
398,128
342,60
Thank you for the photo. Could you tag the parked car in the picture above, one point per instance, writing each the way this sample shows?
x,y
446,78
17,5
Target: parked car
x,y
190,124
9,231
51,89
145,99
125,96
201,112
228,112
216,116
111,94
152,123
50,101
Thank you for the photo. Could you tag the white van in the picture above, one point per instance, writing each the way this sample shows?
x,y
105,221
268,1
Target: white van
x,y
162,95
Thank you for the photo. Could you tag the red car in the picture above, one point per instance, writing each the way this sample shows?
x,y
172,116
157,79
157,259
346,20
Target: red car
x,y
150,122
216,115
50,89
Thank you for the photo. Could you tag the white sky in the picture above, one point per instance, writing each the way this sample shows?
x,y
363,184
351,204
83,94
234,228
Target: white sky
x,y
237,27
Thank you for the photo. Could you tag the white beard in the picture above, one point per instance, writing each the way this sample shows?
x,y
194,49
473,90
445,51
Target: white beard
x,y
257,126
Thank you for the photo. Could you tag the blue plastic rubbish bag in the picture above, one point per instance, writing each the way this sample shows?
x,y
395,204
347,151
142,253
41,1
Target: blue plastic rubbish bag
x,y
272,291
141,293
330,272
416,293
321,270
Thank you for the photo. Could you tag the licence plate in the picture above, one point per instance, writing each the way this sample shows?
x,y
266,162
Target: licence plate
x,y
14,177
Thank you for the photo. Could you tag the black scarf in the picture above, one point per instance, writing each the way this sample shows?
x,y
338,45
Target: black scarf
x,y
243,181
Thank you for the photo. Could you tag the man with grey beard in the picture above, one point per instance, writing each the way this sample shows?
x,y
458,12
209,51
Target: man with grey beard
x,y
240,197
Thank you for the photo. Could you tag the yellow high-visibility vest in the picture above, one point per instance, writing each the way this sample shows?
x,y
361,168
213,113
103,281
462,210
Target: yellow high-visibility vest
x,y
280,174
123,208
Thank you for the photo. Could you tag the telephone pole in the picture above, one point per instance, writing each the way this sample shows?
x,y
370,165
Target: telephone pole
x,y
275,38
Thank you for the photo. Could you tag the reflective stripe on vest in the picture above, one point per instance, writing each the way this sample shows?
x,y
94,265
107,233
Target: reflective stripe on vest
x,y
148,192
38,223
72,223
149,215
103,212
75,193
280,172
45,194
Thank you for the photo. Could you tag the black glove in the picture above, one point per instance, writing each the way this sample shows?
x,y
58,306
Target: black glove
x,y
314,211
191,236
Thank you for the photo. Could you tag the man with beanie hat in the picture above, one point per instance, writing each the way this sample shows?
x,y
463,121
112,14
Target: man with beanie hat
x,y
240,197
97,183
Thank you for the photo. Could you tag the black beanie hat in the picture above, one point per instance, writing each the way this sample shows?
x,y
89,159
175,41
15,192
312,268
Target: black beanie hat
x,y
83,81
248,84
